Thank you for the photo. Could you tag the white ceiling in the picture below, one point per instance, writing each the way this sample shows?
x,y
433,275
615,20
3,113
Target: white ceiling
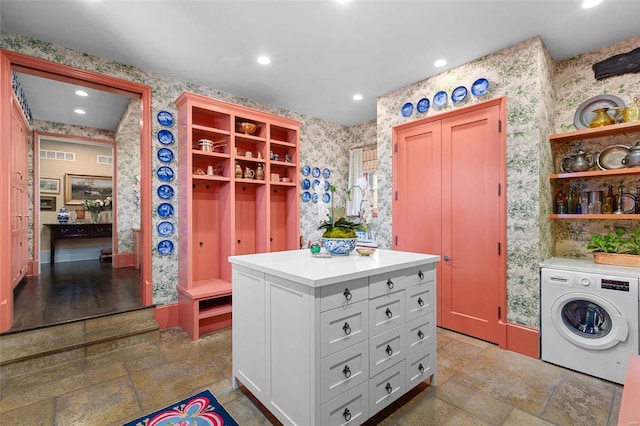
x,y
322,52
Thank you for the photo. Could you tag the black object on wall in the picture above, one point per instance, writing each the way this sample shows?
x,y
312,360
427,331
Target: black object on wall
x,y
623,63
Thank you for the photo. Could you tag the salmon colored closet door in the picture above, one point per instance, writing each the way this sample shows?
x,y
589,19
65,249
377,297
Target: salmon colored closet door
x,y
449,200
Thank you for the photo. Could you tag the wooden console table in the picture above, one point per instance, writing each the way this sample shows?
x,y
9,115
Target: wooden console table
x,y
64,231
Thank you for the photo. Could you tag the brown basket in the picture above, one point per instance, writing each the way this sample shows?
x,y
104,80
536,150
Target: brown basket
x,y
617,259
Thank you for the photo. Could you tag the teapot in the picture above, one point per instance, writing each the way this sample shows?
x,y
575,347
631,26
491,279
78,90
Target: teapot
x,y
632,159
579,162
248,173
259,172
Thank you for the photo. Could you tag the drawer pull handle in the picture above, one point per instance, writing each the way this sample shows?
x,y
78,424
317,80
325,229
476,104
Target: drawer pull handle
x,y
389,283
346,414
389,388
346,371
389,350
421,368
420,275
420,301
388,313
347,328
347,294
420,334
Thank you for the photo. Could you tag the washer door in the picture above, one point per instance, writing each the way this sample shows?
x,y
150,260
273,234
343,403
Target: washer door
x,y
588,321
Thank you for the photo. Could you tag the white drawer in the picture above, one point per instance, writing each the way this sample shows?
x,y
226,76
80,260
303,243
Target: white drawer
x,y
344,370
342,294
382,284
386,387
350,408
343,327
420,299
386,312
421,274
385,350
420,366
420,332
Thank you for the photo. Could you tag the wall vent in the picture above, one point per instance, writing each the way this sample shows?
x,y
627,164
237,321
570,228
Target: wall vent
x,y
46,154
104,159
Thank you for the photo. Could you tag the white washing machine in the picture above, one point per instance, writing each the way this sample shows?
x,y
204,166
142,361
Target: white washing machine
x,y
589,316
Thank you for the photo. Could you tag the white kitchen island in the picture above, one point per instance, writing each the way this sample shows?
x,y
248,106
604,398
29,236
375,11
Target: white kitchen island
x,y
328,341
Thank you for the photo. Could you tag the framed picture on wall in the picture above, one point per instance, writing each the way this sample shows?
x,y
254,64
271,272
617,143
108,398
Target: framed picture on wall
x,y
85,187
49,186
47,203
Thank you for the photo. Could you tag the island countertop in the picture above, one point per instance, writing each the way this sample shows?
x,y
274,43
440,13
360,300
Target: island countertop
x,y
300,266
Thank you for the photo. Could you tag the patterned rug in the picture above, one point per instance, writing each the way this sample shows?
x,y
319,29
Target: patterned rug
x,y
202,409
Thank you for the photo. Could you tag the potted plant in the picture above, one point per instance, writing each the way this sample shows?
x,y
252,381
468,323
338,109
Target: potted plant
x,y
339,236
617,248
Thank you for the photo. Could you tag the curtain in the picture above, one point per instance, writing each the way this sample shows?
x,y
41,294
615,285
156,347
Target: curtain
x,y
356,180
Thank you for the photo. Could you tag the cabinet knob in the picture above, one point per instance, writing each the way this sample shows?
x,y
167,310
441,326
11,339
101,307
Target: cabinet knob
x,y
347,294
347,328
389,350
420,334
421,368
420,275
346,414
389,283
447,258
420,301
388,313
389,388
346,371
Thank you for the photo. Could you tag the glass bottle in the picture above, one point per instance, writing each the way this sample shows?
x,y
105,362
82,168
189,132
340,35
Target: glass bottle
x,y
561,203
572,201
607,203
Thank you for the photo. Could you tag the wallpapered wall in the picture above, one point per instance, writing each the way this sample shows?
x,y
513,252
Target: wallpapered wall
x,y
526,74
323,144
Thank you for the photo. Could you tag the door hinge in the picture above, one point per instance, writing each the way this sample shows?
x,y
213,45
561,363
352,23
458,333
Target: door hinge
x,y
499,189
499,247
498,312
396,240
396,195
499,126
395,148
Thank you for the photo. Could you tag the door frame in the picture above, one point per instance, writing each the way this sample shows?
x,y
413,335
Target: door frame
x,y
10,61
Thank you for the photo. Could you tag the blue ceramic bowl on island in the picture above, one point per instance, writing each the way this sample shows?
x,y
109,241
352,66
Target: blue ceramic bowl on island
x,y
339,246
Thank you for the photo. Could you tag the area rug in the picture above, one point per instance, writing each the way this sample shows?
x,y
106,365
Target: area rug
x,y
202,409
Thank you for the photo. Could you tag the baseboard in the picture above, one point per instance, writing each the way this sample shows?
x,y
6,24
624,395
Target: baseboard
x,y
523,340
167,315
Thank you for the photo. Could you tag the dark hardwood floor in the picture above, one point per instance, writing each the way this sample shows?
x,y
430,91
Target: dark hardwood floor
x,y
72,291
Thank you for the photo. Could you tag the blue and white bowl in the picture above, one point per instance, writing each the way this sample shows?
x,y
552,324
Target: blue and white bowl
x,y
339,246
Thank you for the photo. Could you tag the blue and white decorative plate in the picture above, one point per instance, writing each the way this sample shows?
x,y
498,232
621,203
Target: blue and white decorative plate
x,y
315,172
165,137
423,105
326,173
165,229
316,185
165,155
165,118
165,210
327,185
440,99
480,87
305,170
306,184
459,94
165,192
165,247
407,109
306,196
165,173
315,197
326,197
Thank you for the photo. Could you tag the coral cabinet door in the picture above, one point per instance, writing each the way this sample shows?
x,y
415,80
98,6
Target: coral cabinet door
x,y
448,200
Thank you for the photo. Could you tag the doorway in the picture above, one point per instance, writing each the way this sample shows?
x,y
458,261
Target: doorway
x,y
14,62
449,199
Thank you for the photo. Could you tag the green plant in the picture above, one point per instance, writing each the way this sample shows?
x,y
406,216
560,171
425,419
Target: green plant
x,y
341,228
620,242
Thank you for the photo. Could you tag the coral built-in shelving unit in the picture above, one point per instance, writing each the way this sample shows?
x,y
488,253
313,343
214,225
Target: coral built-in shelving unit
x,y
223,214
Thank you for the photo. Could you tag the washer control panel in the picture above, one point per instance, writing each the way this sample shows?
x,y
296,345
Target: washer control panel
x,y
609,284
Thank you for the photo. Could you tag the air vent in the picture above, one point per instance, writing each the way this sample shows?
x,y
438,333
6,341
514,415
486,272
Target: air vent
x,y
46,154
104,159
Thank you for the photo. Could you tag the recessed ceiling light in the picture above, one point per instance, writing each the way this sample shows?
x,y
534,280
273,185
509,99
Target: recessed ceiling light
x,y
264,60
79,111
81,93
342,1
357,97
440,63
588,4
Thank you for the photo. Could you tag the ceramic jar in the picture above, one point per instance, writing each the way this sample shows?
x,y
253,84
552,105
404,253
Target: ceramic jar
x,y
63,215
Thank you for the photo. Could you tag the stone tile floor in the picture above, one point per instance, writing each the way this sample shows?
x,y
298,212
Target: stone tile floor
x,y
478,384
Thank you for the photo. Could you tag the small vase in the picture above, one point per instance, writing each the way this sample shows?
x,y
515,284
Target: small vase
x,y
63,215
95,216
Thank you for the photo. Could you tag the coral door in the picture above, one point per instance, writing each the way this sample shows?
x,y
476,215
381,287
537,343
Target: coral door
x,y
449,200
